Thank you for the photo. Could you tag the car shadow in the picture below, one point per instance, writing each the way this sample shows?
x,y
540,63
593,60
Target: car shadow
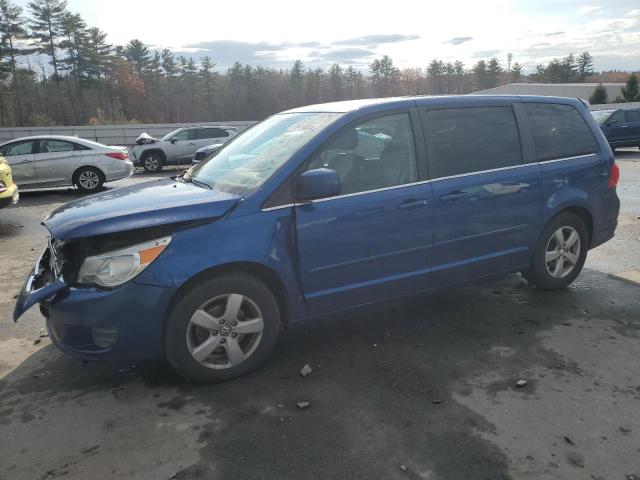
x,y
384,391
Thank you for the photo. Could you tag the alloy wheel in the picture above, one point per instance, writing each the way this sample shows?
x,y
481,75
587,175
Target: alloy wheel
x,y
563,252
151,163
224,331
88,179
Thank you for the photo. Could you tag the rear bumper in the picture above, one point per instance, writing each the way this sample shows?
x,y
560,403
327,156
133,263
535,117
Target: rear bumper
x,y
122,325
605,218
117,174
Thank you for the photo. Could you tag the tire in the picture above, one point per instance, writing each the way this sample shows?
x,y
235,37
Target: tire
x,y
88,179
203,334
152,162
547,272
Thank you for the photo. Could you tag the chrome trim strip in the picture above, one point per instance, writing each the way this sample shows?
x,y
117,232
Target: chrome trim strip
x,y
480,172
278,207
424,182
569,158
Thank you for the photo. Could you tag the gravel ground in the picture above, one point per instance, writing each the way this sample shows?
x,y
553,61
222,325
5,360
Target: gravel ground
x,y
424,388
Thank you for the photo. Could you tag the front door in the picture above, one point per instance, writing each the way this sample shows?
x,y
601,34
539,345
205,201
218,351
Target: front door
x,y
20,158
373,241
632,118
486,197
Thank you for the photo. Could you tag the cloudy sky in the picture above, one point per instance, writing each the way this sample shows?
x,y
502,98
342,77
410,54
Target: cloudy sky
x,y
276,32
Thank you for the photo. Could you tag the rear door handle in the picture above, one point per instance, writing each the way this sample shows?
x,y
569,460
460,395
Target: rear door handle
x,y
453,196
414,203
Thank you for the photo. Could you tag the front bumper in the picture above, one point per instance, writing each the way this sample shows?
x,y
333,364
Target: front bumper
x,y
121,325
11,199
125,324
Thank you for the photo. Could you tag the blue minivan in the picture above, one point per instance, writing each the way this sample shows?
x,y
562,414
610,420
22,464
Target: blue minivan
x,y
621,126
321,209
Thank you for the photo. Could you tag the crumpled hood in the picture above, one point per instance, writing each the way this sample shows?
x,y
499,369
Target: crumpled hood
x,y
148,204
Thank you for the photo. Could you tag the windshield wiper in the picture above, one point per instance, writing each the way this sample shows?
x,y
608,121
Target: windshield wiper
x,y
189,179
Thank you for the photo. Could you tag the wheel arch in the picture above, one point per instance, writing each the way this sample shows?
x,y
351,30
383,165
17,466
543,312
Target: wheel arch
x,y
159,151
258,270
580,211
76,172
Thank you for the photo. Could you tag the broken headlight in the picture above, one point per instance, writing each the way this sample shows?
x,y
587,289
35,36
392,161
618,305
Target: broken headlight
x,y
110,269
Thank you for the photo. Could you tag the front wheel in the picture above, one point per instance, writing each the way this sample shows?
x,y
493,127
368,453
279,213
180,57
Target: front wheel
x,y
560,252
88,179
222,328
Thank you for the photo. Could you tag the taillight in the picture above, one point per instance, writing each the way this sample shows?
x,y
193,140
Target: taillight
x,y
117,155
615,176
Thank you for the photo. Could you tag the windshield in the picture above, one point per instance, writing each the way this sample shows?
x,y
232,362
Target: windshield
x,y
601,116
171,134
244,164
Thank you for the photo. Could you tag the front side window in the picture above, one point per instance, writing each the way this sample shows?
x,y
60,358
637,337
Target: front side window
x,y
248,161
52,146
378,153
617,117
20,148
466,140
559,131
184,135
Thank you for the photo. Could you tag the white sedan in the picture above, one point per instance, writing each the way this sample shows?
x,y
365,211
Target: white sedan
x,y
59,161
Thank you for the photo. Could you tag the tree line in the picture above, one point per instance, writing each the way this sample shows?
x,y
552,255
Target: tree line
x,y
57,70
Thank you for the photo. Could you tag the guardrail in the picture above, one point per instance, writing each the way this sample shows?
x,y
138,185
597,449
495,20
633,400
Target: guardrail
x,y
613,106
111,134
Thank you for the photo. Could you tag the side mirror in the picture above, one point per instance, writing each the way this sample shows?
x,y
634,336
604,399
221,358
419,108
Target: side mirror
x,y
174,140
318,183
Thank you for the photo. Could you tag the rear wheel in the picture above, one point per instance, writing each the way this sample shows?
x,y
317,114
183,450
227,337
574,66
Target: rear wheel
x,y
88,179
152,162
560,252
223,328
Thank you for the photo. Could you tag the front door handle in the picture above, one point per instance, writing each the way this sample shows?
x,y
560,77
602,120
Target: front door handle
x,y
453,196
412,203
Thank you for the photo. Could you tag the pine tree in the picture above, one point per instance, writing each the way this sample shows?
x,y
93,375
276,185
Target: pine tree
x,y
480,75
631,91
599,96
209,77
46,27
493,72
585,65
516,72
458,66
13,33
336,80
138,55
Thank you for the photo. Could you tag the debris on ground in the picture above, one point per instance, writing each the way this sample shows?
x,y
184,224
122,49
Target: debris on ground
x,y
575,459
303,405
36,341
437,402
306,370
37,375
568,440
625,430
403,468
280,405
521,383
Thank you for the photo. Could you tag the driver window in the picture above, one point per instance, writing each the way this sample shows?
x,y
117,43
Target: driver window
x,y
184,135
376,154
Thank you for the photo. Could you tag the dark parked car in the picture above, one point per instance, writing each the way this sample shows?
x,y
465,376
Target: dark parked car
x,y
205,152
320,209
621,126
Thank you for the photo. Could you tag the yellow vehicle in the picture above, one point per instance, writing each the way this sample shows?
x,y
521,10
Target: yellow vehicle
x,y
8,189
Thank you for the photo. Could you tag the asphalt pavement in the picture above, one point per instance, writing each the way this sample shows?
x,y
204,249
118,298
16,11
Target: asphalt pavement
x,y
488,381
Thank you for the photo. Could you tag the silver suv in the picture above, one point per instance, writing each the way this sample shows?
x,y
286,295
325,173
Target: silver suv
x,y
177,147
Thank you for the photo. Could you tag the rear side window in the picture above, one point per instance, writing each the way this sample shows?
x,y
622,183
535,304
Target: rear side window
x,y
632,115
617,117
559,131
204,133
466,140
53,146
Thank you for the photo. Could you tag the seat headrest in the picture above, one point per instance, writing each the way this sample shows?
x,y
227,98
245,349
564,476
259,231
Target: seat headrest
x,y
347,141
